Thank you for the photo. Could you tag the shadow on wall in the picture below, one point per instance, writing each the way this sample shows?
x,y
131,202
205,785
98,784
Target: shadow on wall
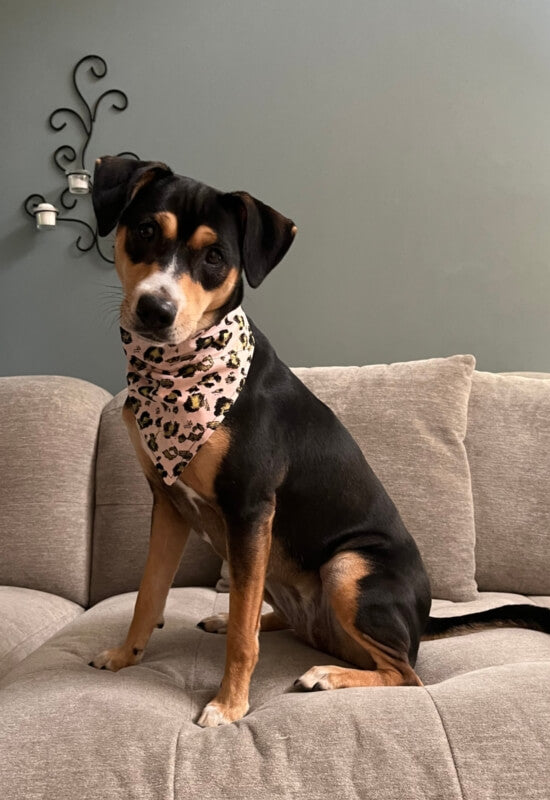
x,y
17,243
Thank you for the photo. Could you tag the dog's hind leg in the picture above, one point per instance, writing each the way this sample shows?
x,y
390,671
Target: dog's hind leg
x,y
363,607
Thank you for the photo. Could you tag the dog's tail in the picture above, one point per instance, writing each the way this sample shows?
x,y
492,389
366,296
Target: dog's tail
x,y
536,618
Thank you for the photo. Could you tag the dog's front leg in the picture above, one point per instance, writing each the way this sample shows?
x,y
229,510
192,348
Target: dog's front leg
x,y
248,550
169,533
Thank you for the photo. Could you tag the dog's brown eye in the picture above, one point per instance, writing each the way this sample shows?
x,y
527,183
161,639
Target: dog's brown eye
x,y
147,230
214,257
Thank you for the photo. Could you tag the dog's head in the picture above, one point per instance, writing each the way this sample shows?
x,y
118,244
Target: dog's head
x,y
181,246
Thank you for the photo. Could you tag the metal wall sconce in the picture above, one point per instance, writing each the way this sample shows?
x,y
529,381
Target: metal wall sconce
x,y
78,178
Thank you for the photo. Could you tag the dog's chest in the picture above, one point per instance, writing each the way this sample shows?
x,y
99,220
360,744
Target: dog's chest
x,y
194,493
202,515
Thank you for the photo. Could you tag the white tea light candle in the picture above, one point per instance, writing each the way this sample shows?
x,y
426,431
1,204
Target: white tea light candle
x,y
79,181
46,216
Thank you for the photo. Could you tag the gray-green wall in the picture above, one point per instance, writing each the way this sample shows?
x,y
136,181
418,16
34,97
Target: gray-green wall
x,y
409,140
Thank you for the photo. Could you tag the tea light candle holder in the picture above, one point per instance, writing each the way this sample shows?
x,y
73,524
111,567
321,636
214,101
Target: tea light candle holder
x,y
45,215
79,181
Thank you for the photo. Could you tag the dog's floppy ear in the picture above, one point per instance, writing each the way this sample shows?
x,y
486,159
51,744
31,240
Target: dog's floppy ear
x,y
265,236
116,182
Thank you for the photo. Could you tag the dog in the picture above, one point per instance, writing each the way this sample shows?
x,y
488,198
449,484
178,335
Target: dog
x,y
276,482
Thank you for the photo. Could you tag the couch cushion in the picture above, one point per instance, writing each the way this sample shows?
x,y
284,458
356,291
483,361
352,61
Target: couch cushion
x,y
138,723
123,518
441,659
27,619
496,721
410,421
508,445
48,430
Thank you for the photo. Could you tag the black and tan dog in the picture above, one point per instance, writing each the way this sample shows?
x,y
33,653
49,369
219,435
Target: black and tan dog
x,y
281,488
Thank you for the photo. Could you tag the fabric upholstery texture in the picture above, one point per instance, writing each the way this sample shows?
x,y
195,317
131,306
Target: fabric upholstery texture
x,y
379,743
508,445
123,518
48,433
410,421
27,619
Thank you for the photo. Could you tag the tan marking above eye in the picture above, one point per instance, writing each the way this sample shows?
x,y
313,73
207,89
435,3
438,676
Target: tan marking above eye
x,y
202,237
168,223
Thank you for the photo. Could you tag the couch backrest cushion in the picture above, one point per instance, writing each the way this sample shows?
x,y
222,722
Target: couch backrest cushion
x,y
508,445
410,421
123,518
48,434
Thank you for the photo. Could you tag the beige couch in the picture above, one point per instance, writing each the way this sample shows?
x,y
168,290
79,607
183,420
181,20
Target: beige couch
x,y
466,456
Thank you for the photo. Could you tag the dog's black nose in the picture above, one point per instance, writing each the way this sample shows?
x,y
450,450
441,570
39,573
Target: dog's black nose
x,y
155,312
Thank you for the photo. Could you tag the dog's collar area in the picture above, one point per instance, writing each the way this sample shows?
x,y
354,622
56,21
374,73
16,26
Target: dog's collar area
x,y
180,393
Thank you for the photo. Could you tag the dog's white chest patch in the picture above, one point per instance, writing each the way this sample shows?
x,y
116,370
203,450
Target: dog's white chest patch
x,y
192,497
201,516
195,501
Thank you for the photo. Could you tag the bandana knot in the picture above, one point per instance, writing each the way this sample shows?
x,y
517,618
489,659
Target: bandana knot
x,y
180,393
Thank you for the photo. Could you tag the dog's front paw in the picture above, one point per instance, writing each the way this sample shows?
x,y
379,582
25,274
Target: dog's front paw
x,y
215,624
117,658
215,714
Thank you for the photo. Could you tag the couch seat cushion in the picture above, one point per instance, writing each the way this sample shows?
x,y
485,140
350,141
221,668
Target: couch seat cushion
x,y
442,659
478,728
28,618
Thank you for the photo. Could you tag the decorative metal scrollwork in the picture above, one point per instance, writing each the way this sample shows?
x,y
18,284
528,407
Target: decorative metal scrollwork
x,y
65,157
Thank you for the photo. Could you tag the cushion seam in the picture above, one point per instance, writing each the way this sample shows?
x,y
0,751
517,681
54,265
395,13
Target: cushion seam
x,y
175,765
56,625
451,751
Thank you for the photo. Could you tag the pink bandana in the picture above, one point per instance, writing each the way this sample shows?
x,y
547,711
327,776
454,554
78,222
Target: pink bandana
x,y
180,393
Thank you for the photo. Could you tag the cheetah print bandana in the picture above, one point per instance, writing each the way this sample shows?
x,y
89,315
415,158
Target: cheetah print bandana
x,y
180,393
